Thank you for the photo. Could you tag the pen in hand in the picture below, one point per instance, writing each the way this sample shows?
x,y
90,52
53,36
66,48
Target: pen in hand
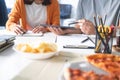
x,y
18,30
73,23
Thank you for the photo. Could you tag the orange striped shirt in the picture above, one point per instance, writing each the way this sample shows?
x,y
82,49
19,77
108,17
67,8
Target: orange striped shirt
x,y
18,14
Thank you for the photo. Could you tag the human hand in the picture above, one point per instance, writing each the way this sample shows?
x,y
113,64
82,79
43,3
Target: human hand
x,y
18,29
86,26
57,30
39,29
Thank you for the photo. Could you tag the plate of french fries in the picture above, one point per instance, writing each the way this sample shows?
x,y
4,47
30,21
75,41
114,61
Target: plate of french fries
x,y
43,50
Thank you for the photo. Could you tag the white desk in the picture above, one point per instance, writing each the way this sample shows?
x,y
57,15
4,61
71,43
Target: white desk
x,y
15,67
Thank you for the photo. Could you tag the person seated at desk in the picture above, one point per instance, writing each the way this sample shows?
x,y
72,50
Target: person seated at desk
x,y
29,14
3,13
88,8
85,11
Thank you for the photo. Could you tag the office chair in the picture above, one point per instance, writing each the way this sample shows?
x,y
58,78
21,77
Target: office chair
x,y
65,11
3,13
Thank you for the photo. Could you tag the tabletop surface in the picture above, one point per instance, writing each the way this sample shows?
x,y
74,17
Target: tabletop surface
x,y
16,67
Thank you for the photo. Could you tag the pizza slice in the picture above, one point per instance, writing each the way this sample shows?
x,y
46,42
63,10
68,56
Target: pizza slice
x,y
107,62
76,74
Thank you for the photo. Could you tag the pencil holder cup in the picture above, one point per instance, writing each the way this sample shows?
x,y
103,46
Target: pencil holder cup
x,y
104,40
118,37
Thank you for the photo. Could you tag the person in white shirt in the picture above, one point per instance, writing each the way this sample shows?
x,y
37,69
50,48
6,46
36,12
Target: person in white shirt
x,y
88,8
85,11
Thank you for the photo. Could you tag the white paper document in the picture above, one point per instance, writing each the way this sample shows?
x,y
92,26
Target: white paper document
x,y
27,34
76,41
30,34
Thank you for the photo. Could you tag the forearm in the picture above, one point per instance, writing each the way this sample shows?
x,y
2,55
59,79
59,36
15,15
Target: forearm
x,y
72,31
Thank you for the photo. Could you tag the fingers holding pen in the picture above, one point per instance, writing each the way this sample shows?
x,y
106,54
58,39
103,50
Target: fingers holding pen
x,y
86,26
80,23
18,29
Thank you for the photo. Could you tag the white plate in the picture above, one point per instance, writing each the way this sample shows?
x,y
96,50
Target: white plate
x,y
35,55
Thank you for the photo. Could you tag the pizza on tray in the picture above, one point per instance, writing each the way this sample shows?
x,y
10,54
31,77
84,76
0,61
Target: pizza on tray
x,y
107,62
77,74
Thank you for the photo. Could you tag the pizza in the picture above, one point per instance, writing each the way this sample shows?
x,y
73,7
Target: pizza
x,y
77,74
107,62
